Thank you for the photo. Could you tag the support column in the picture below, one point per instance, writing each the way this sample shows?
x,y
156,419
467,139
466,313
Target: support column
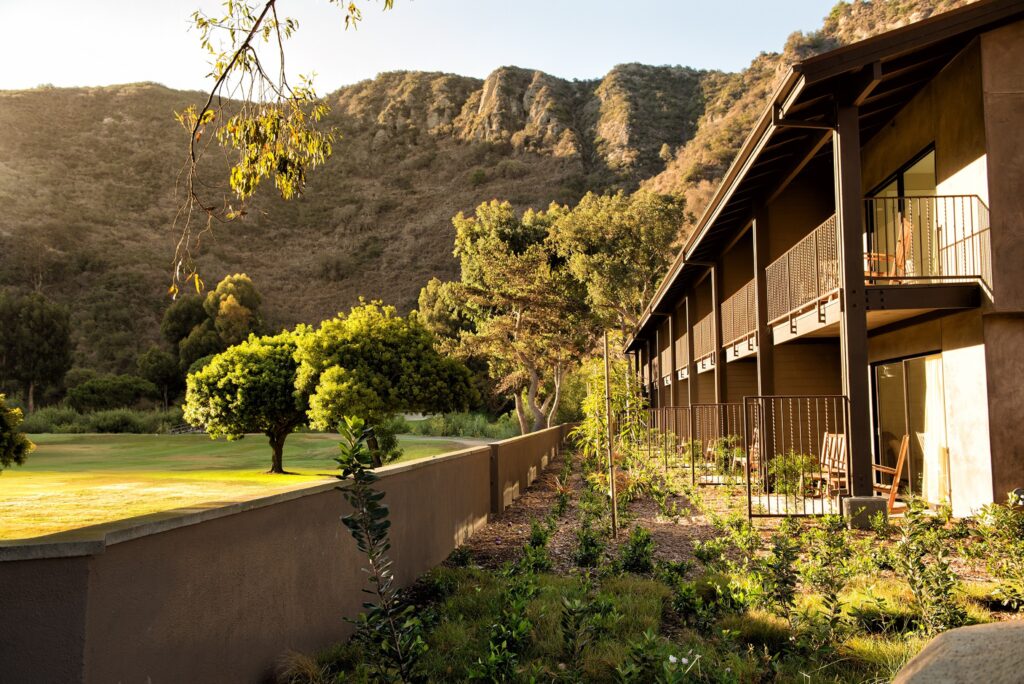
x,y
691,366
672,357
765,341
716,310
650,377
853,323
657,361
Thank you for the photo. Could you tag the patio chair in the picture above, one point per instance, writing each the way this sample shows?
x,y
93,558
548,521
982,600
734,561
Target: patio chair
x,y
891,490
892,266
832,472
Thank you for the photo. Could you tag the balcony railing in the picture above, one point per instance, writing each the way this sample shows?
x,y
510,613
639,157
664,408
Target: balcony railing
x,y
704,338
739,315
906,240
935,238
682,357
806,274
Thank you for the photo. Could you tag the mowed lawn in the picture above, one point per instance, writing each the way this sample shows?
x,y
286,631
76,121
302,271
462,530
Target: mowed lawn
x,y
71,481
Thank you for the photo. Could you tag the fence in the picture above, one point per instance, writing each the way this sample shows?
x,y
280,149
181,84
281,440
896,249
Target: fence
x,y
220,594
703,439
796,462
935,238
704,340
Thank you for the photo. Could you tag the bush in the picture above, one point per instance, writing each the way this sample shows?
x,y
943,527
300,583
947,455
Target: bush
x,y
465,425
589,546
65,420
637,554
105,392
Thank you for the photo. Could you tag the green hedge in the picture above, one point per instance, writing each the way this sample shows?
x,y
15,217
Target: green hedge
x,y
464,425
63,419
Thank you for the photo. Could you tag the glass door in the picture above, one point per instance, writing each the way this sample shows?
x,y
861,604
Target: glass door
x,y
909,400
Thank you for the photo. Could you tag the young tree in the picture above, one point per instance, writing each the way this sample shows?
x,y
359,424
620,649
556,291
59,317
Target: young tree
x,y
530,315
36,344
373,364
161,369
620,246
14,445
250,387
184,314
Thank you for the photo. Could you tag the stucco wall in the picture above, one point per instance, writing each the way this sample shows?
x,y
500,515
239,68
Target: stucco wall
x,y
219,596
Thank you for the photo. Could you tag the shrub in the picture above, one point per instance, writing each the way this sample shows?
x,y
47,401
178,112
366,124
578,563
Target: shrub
x,y
589,546
110,392
464,425
788,471
65,420
637,554
51,419
477,177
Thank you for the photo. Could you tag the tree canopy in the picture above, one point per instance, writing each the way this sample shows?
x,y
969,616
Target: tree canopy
x,y
35,343
14,445
373,364
250,387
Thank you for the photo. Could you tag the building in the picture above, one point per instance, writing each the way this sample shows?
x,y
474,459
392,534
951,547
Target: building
x,y
868,243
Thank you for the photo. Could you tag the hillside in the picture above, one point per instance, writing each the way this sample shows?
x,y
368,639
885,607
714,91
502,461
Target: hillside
x,y
87,178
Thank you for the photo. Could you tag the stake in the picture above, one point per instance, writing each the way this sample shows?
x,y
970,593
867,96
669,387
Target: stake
x,y
608,418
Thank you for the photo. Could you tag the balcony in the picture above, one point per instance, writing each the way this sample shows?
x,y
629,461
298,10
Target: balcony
x,y
682,357
739,323
920,254
704,343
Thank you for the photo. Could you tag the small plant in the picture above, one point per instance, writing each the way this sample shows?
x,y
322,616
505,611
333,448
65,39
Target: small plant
x,y
510,633
1002,533
637,554
563,490
589,546
711,553
460,557
880,525
827,570
539,535
921,558
787,471
389,632
777,572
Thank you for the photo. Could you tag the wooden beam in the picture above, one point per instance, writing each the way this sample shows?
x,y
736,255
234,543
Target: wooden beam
x,y
765,342
853,325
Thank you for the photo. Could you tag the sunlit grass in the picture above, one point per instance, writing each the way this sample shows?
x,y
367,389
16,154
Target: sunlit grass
x,y
72,481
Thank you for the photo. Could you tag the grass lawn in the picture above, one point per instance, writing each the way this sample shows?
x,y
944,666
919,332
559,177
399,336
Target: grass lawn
x,y
72,481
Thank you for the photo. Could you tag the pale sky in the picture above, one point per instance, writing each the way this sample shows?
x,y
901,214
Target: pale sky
x,y
103,42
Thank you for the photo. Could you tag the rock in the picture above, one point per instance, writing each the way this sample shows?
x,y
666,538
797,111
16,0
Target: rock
x,y
993,654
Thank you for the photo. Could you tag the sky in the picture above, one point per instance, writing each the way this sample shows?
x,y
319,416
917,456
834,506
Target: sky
x,y
104,42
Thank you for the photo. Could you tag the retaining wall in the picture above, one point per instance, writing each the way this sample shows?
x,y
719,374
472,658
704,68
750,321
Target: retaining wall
x,y
219,594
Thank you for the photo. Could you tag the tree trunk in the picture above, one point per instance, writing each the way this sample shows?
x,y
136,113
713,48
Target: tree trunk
x,y
539,419
524,425
30,397
277,445
167,404
374,446
556,398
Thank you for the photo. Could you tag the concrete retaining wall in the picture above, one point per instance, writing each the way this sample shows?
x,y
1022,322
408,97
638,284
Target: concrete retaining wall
x,y
218,595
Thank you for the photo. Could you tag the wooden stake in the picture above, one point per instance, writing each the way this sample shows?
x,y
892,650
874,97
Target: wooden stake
x,y
608,423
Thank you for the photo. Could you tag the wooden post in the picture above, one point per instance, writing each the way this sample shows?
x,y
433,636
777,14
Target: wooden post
x,y
853,326
765,341
672,357
608,422
716,308
691,383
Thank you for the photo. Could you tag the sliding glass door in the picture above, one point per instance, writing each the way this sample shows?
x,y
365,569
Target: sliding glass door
x,y
909,400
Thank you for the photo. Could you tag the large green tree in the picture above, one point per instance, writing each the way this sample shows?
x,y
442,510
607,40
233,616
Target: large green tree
x,y
251,387
620,246
35,343
372,363
14,445
529,312
161,369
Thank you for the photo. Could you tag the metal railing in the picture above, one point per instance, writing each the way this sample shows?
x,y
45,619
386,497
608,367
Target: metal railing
x,y
682,353
933,238
804,275
797,461
704,439
739,315
704,338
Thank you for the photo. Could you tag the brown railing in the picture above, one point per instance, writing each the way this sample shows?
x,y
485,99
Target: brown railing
x,y
704,338
739,315
704,439
682,357
934,238
798,463
806,274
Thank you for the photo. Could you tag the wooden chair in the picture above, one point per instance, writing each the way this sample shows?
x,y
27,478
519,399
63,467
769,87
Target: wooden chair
x,y
892,489
832,472
885,265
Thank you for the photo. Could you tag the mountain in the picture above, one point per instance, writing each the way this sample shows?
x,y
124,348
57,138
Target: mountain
x,y
88,178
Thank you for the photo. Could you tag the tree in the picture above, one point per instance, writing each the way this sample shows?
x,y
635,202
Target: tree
x,y
14,445
620,246
161,369
251,387
201,342
530,315
184,314
233,306
270,124
373,364
36,343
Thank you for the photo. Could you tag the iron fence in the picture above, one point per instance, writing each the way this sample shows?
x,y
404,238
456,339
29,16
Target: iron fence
x,y
796,459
